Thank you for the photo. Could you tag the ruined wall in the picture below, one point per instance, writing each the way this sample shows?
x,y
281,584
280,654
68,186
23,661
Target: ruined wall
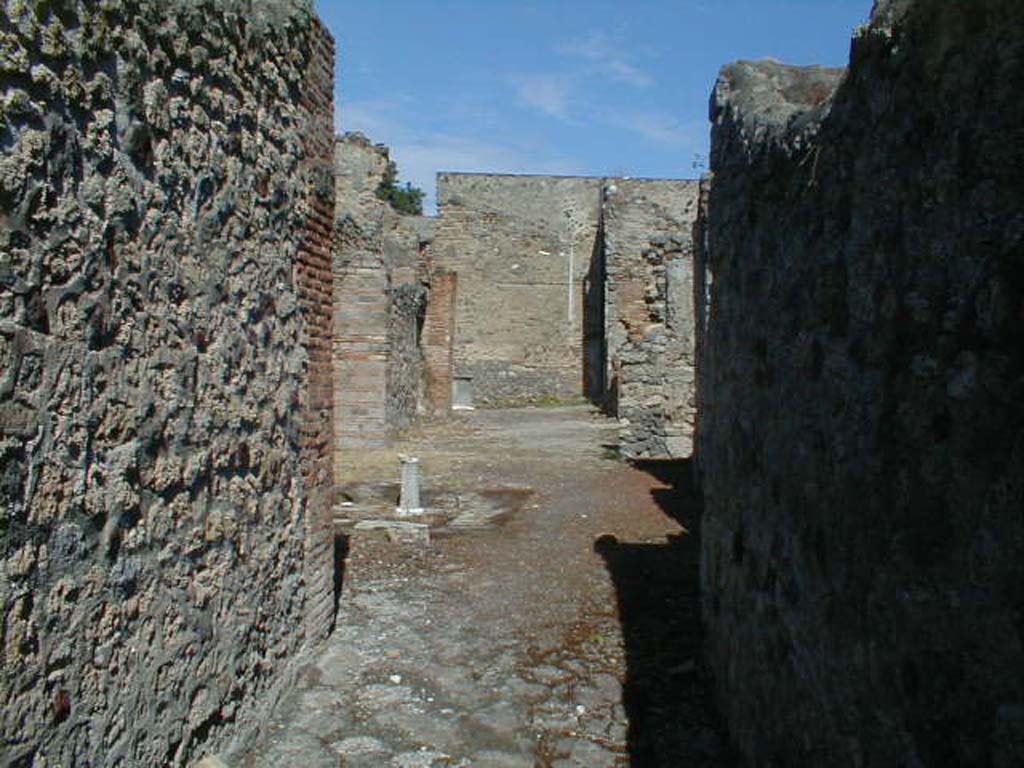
x,y
405,374
649,313
406,243
862,434
164,382
381,279
437,337
522,248
574,287
361,296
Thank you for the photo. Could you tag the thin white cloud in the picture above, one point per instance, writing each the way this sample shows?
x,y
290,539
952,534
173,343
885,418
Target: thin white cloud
x,y
597,49
661,128
421,154
370,116
548,93
421,160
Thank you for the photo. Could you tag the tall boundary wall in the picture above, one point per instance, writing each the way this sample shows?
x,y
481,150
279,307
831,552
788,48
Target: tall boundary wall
x,y
165,383
522,247
861,386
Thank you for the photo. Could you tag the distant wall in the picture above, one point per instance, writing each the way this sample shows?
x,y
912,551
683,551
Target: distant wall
x,y
406,244
862,435
647,227
165,408
522,247
361,285
573,287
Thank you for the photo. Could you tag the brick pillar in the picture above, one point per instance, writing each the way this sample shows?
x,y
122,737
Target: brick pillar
x,y
313,275
438,335
360,354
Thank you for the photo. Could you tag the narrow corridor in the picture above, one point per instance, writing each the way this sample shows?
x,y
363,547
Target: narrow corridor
x,y
562,630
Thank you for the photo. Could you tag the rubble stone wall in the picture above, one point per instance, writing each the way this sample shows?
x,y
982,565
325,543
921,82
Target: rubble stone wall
x,y
649,313
862,435
164,383
406,245
406,376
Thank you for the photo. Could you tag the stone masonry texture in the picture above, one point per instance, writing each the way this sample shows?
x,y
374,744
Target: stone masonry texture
x,y
165,406
522,247
405,356
647,227
861,391
361,305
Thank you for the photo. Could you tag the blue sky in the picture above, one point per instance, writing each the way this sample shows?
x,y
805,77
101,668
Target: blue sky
x,y
586,87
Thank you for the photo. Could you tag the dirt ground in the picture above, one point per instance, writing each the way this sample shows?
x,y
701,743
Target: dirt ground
x,y
551,621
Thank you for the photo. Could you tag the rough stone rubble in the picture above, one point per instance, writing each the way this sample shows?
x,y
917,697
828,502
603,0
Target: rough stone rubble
x,y
202,302
860,383
164,307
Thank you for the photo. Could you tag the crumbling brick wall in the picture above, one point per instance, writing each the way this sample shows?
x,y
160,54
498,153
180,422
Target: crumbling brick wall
x,y
361,296
381,289
164,389
861,434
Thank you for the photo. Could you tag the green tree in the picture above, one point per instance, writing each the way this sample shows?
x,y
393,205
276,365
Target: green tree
x,y
407,199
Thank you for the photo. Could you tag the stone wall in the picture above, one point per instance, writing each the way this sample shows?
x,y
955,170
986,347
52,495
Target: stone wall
x,y
649,316
862,435
406,243
164,382
381,279
361,296
406,375
522,247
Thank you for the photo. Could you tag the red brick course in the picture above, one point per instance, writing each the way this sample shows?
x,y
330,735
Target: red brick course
x,y
438,335
315,283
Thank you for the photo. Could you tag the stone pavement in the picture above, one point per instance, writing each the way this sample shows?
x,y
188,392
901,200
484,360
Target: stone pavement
x,y
561,633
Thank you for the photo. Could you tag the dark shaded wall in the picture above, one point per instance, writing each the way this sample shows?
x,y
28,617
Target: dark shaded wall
x,y
436,337
406,375
165,390
861,390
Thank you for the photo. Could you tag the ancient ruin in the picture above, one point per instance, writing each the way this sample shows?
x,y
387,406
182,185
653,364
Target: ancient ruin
x,y
861,374
749,445
165,332
524,290
381,278
572,288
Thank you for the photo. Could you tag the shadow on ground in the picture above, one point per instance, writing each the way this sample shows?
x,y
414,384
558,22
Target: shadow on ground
x,y
666,693
341,547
